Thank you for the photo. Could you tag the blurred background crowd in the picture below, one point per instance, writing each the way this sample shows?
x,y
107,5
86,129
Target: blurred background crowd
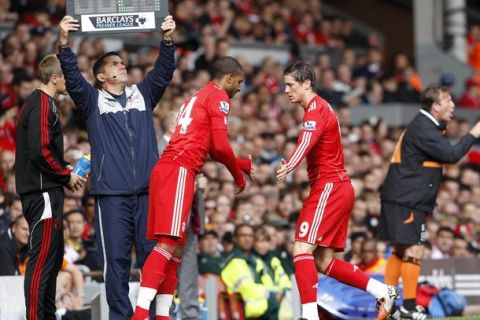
x,y
262,123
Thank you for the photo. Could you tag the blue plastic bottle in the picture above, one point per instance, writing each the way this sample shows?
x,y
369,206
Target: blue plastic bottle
x,y
82,167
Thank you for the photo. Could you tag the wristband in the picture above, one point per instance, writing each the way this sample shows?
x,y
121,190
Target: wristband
x,y
167,42
62,47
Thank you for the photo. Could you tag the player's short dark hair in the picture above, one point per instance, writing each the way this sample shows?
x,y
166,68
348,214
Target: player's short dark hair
x,y
301,72
99,64
226,65
431,95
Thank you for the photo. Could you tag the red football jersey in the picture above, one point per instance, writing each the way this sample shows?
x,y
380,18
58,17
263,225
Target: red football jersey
x,y
202,113
320,141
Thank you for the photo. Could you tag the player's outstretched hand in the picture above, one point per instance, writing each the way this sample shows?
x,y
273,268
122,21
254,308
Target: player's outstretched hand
x,y
168,27
282,171
67,24
239,189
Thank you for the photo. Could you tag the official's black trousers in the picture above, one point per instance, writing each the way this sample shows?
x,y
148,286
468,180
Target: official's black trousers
x,y
44,214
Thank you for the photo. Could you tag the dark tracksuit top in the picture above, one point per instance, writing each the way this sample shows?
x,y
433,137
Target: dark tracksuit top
x,y
416,170
124,150
41,173
39,164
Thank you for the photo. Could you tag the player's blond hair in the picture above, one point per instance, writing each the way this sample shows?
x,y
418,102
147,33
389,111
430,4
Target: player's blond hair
x,y
49,66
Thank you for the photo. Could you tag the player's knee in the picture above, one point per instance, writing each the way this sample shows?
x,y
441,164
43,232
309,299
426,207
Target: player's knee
x,y
167,242
300,247
413,260
179,251
322,264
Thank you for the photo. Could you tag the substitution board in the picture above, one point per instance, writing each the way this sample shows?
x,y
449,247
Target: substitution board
x,y
113,16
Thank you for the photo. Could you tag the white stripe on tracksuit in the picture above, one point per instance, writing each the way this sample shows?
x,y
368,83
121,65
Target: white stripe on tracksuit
x,y
177,209
317,218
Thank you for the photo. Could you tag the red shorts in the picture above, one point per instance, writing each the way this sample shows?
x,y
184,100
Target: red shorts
x,y
323,220
170,200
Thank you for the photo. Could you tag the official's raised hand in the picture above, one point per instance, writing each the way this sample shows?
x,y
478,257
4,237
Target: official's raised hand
x,y
168,27
282,171
253,168
67,24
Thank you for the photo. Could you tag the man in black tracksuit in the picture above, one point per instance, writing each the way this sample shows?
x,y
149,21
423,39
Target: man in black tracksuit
x,y
409,191
40,174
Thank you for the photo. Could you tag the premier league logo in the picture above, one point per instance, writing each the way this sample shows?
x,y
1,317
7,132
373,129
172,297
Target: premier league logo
x,y
112,22
118,15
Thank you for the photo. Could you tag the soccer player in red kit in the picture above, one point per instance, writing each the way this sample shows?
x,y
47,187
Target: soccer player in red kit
x,y
201,129
323,221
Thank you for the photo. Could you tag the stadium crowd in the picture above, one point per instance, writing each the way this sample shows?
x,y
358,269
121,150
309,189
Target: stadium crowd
x,y
262,123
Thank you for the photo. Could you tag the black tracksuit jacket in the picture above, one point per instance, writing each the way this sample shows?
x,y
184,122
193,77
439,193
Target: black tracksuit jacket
x,y
415,172
39,163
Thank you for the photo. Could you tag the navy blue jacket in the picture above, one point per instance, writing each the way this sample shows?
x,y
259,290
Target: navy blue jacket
x,y
122,138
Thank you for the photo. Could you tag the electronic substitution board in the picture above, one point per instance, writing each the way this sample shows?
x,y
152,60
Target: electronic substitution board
x,y
113,16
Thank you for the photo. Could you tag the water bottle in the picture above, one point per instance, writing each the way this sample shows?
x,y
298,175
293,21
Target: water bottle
x,y
82,167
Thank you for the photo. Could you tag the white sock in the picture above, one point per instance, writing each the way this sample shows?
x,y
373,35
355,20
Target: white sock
x,y
145,297
164,301
377,288
310,311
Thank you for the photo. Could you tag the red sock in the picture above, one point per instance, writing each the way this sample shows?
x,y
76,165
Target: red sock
x,y
347,273
169,284
307,277
153,270
153,273
167,288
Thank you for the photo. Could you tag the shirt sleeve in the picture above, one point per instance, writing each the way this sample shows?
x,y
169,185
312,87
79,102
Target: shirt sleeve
x,y
245,165
222,152
39,132
438,148
312,128
157,80
81,92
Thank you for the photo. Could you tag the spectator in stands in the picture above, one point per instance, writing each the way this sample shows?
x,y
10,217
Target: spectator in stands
x,y
122,159
370,261
74,248
473,40
408,196
13,243
79,250
471,98
209,255
244,273
262,248
354,255
70,294
461,248
13,206
442,247
373,68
